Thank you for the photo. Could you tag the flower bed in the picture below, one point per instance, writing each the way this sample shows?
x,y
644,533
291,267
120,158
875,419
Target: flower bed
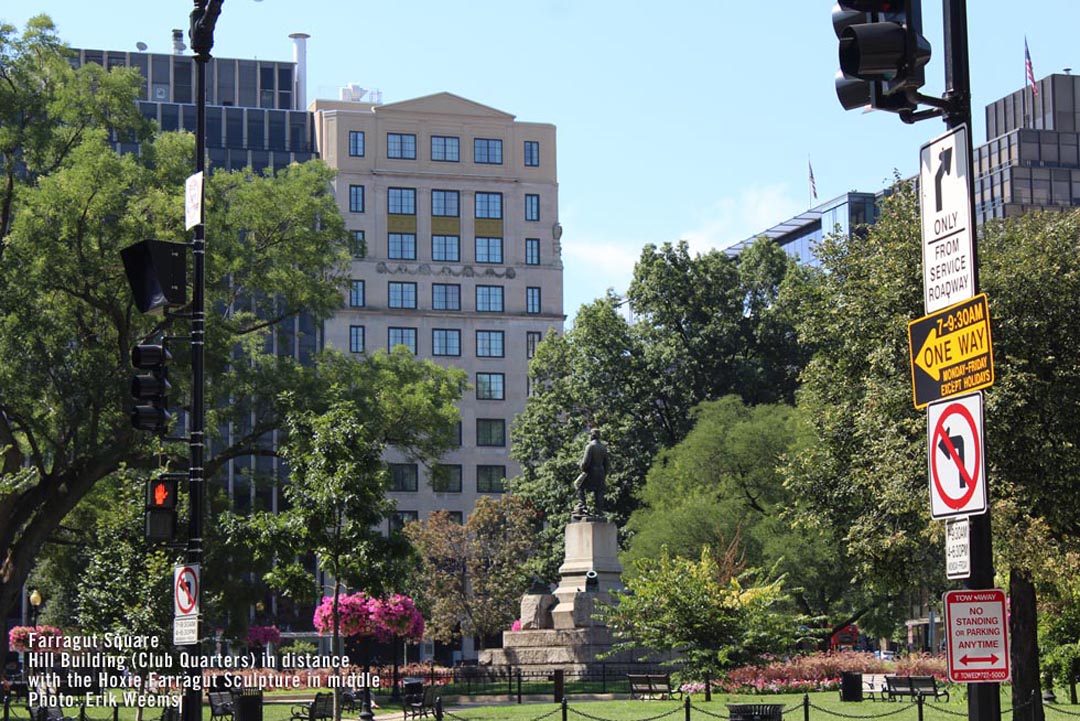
x,y
819,672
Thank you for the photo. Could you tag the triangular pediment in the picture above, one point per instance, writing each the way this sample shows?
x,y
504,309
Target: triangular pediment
x,y
445,104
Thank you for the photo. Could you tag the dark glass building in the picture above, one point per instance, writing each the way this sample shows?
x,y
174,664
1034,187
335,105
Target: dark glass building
x,y
1030,159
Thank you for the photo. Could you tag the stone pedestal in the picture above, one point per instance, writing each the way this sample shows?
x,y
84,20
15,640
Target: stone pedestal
x,y
568,637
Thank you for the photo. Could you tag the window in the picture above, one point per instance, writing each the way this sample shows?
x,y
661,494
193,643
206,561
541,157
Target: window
x,y
445,203
401,201
487,151
356,199
445,148
356,294
532,339
402,295
445,296
532,207
532,300
446,248
532,251
356,143
489,298
401,146
402,336
358,246
402,246
399,519
446,478
446,341
490,386
532,154
491,479
356,339
457,435
489,205
403,477
456,516
490,432
489,250
489,344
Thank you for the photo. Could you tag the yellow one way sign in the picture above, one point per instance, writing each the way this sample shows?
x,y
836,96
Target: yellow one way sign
x,y
951,351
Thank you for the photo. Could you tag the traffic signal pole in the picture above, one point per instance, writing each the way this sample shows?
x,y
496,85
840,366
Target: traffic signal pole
x,y
203,18
984,699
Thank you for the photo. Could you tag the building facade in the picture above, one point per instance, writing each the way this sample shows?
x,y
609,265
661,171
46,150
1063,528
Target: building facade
x,y
453,211
1031,158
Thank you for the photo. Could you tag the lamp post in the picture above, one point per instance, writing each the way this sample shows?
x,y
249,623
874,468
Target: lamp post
x,y
35,606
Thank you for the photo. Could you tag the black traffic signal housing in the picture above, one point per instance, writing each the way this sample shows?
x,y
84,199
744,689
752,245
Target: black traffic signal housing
x,y
161,508
150,387
882,53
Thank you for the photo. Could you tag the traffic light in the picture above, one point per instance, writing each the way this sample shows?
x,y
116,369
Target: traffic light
x,y
161,508
151,389
882,53
157,273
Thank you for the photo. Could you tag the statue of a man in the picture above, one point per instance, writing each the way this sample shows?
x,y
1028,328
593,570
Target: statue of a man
x,y
594,469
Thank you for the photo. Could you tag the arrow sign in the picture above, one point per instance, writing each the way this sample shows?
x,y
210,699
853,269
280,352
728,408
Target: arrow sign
x,y
952,352
965,659
950,349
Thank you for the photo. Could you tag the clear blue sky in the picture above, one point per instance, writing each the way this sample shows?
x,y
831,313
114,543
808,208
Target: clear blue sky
x,y
684,119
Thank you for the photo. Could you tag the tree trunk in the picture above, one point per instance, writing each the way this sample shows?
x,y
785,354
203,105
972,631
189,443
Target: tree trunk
x,y
1024,650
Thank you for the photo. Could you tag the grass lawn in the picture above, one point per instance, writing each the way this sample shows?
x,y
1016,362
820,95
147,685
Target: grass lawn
x,y
824,706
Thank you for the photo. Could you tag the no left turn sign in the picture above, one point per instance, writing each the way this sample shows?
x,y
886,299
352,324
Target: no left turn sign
x,y
957,460
186,590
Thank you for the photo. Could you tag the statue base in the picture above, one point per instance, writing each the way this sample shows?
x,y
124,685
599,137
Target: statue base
x,y
558,629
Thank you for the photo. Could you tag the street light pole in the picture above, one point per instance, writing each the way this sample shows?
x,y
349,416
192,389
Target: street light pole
x,y
203,18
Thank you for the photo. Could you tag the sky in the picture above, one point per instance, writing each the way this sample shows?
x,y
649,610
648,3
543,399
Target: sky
x,y
690,120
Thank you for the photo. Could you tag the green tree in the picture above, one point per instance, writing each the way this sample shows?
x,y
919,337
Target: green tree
x,y
277,247
706,326
723,481
472,576
865,474
712,614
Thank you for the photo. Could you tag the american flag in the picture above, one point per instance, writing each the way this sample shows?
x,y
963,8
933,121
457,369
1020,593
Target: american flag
x,y
813,185
1030,70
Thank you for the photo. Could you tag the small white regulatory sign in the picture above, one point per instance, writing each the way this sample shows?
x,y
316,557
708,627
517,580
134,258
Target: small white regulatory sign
x,y
956,457
193,196
186,590
957,548
947,230
185,630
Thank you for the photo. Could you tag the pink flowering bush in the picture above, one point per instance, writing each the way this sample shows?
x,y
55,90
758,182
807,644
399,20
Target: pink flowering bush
x,y
363,615
263,635
397,617
19,636
801,674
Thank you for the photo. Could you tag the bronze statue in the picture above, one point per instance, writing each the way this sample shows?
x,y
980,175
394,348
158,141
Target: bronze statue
x,y
594,469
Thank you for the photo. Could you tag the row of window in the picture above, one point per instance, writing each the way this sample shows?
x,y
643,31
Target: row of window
x,y
446,478
445,248
444,296
444,148
444,203
447,342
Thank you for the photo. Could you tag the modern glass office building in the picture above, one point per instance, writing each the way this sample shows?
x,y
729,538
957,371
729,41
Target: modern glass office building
x,y
1031,158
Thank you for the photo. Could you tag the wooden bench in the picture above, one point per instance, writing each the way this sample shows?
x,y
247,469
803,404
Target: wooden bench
x,y
221,706
420,704
651,686
913,686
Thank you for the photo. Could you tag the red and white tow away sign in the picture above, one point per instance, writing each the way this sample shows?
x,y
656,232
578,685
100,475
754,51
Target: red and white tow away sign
x,y
978,635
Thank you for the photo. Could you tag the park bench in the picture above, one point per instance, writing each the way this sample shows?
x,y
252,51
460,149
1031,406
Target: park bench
x,y
221,706
321,708
913,686
421,704
873,685
651,686
48,713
